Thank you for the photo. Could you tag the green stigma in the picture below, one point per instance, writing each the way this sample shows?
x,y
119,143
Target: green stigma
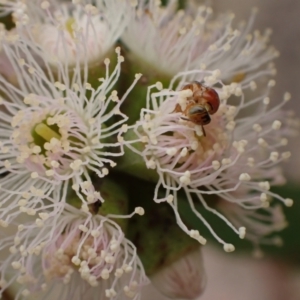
x,y
45,132
69,26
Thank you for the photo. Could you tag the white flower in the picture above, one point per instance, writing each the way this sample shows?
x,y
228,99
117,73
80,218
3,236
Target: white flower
x,y
183,279
56,129
78,254
170,41
236,161
74,33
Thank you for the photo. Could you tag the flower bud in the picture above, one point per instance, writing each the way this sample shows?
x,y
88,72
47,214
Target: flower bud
x,y
184,278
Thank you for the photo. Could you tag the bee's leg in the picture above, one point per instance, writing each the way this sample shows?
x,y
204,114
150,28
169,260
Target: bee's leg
x,y
203,130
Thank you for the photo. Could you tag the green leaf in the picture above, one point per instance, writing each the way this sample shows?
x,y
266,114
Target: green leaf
x,y
136,100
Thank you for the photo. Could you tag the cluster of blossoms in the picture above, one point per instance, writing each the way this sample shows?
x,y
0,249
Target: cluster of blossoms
x,y
57,130
63,133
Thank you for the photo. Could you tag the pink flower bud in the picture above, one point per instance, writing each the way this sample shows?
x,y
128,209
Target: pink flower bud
x,y
183,279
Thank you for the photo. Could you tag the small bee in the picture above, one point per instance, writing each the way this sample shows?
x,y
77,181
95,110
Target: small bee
x,y
95,207
204,102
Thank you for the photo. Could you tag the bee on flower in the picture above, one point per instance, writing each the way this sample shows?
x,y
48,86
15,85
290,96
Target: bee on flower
x,y
237,160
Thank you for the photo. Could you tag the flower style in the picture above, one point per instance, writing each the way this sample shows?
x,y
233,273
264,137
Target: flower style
x,y
236,160
207,43
73,33
87,254
56,129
